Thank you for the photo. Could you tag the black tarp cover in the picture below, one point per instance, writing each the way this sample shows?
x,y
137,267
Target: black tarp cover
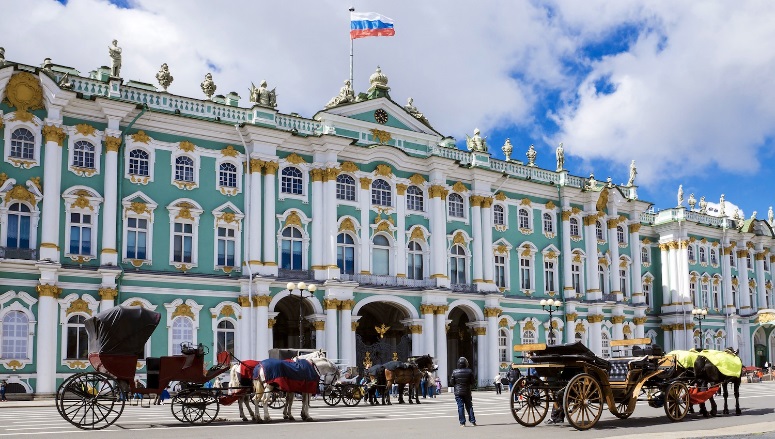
x,y
569,351
121,330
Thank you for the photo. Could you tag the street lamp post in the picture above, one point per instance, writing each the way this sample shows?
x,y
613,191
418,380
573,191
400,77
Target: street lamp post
x,y
551,306
700,314
301,286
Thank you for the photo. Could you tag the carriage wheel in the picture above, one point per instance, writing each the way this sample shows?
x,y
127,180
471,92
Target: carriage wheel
x,y
352,395
277,399
332,395
583,401
676,401
90,400
195,407
529,403
624,409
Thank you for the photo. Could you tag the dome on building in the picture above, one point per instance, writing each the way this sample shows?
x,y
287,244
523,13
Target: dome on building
x,y
378,78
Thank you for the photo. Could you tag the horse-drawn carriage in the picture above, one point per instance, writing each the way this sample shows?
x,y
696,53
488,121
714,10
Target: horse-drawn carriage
x,y
117,337
581,383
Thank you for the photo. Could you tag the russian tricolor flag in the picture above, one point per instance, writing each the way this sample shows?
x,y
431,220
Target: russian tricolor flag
x,y
370,24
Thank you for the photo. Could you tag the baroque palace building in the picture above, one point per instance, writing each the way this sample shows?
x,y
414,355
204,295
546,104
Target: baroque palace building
x,y
113,192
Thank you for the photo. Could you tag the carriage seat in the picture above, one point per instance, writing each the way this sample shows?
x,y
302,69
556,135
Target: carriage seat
x,y
653,349
152,366
620,367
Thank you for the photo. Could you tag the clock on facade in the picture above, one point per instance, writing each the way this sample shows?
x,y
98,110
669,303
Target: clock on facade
x,y
381,116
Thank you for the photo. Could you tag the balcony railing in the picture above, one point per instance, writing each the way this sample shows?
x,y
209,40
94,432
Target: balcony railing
x,y
463,288
388,281
29,254
609,297
284,273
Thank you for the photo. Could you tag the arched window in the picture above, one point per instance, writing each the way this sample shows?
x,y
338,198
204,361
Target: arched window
x,y
528,336
456,206
184,169
644,255
705,294
548,223
732,260
524,219
503,346
83,154
703,256
22,144
16,332
224,336
77,339
457,265
574,227
715,293
414,268
606,344
291,181
690,250
599,231
227,175
713,257
345,187
19,217
549,275
497,215
696,340
290,249
620,238
345,253
414,199
182,332
138,163
381,193
381,254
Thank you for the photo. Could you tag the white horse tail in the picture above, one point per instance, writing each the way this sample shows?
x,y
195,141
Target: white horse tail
x,y
234,377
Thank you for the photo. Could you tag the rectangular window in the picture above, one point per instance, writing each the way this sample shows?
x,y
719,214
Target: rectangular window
x,y
500,271
623,282
183,238
576,278
226,245
647,294
549,276
457,270
414,266
290,255
345,259
18,231
80,234
525,274
136,238
381,262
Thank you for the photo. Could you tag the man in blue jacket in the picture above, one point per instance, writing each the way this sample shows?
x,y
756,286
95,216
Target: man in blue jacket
x,y
462,379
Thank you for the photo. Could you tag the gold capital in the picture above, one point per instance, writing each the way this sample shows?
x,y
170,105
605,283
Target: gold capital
x,y
45,290
617,319
492,312
595,318
401,189
317,174
112,144
480,331
571,317
108,293
486,202
319,325
270,323
347,305
330,304
365,183
427,309
271,167
476,200
639,320
261,300
54,134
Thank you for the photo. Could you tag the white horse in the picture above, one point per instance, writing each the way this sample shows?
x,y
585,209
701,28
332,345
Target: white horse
x,y
327,370
243,395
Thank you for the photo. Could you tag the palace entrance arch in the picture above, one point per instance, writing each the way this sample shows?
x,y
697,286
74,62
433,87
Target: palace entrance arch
x,y
380,336
461,341
285,332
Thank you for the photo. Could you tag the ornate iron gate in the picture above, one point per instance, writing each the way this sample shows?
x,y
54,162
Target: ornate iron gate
x,y
382,351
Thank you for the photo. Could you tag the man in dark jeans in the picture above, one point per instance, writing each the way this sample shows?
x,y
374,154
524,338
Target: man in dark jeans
x,y
462,379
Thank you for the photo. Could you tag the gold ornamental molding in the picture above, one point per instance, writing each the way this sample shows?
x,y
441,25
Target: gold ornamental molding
x,y
141,137
25,93
183,310
459,187
347,225
78,305
571,317
349,167
85,129
595,318
295,159
503,323
228,310
492,312
383,137
13,365
112,144
480,331
229,151
580,327
186,146
617,319
417,234
45,290
107,293
529,326
19,192
427,309
54,134
3,176
383,171
76,364
293,219
765,317
417,179
441,309
459,238
500,196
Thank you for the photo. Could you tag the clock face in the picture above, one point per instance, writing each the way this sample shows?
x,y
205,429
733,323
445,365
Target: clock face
x,y
381,116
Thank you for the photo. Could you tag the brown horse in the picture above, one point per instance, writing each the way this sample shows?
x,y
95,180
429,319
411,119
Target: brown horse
x,y
406,374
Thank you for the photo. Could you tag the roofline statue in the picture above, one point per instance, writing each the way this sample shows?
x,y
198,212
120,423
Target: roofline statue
x,y
477,143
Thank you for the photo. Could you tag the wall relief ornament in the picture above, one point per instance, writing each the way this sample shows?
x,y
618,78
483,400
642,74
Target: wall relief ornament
x,y
24,93
85,129
383,137
293,219
229,151
183,310
78,305
20,193
349,167
295,159
529,326
417,179
383,171
459,238
417,234
459,187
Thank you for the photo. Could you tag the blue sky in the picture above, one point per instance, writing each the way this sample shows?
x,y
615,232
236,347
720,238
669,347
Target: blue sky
x,y
687,89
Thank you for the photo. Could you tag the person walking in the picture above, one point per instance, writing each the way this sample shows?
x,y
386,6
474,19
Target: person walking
x,y
438,387
497,381
462,380
513,375
3,384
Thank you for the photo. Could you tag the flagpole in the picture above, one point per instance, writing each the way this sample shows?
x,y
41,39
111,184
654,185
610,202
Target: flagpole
x,y
352,85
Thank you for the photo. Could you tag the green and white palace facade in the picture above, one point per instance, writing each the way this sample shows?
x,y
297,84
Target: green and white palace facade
x,y
113,192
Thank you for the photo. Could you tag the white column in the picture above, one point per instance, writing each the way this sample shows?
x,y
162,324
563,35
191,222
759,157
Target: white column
x,y
346,331
254,222
637,286
320,334
330,306
318,202
427,330
595,330
109,255
365,203
52,192
668,336
415,329
262,323
488,260
332,219
570,322
270,324
567,257
354,326
270,234
401,234
590,240
47,338
676,298
618,327
664,265
438,225
481,353
742,278
761,291
492,342
441,342
613,249
476,232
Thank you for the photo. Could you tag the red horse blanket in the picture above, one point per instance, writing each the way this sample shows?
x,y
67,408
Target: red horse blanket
x,y
697,396
290,376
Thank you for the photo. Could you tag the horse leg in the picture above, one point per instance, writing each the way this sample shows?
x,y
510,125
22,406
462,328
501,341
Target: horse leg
x,y
726,395
287,414
736,389
401,393
713,407
416,388
305,397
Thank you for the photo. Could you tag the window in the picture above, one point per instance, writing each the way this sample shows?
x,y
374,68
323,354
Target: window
x,y
414,199
601,274
136,238
290,249
769,297
456,206
620,238
498,216
457,265
345,253
227,175
77,339
525,273
183,238
623,282
528,337
414,261
227,243
644,255
552,337
703,256
599,231
15,335
22,144
345,187
524,219
749,261
381,253
83,154
575,270
574,227
500,271
713,257
224,336
606,344
503,346
691,252
291,181
732,260
381,193
578,337
549,276
716,295
734,295
704,294
19,217
139,163
647,293
182,332
766,263
548,223
184,169
693,293
80,234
